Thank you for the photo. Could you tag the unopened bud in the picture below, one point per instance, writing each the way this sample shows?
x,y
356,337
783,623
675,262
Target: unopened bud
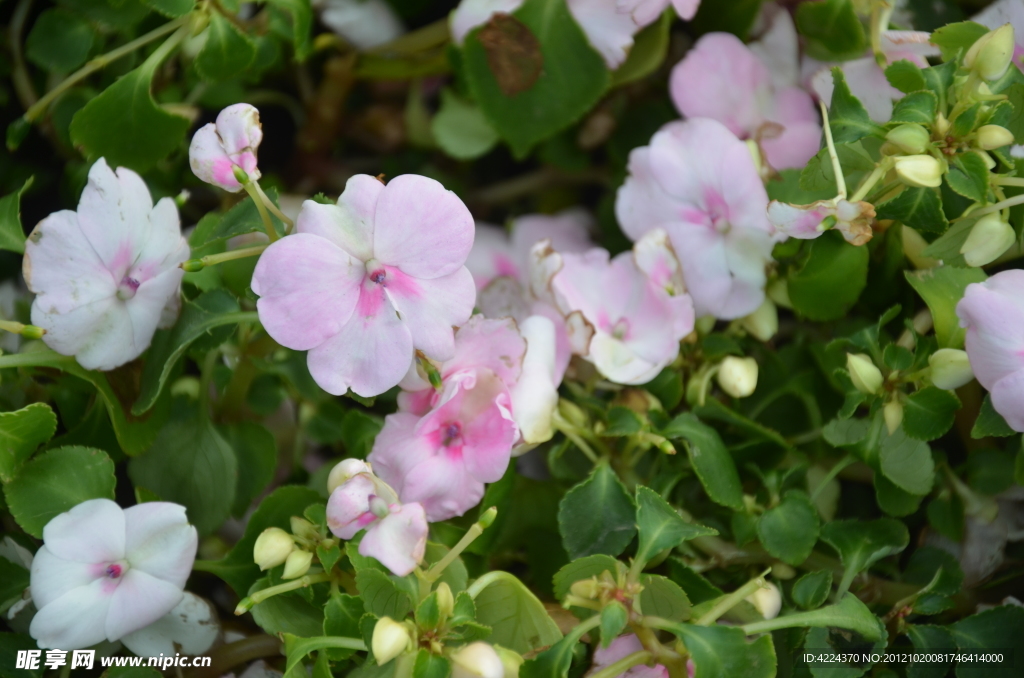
x,y
986,157
573,413
272,547
193,265
487,519
865,376
941,125
477,660
344,470
893,414
764,322
297,564
991,137
390,639
990,56
951,368
240,175
922,171
586,588
738,376
767,600
705,324
510,660
988,239
303,528
778,291
909,138
445,601
32,332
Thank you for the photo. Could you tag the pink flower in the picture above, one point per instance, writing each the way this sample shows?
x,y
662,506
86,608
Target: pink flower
x,y
698,182
365,282
106,276
104,572
646,11
628,314
993,313
396,534
806,222
218,148
622,647
723,79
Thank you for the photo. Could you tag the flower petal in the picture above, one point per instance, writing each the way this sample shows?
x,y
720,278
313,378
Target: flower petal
x,y
495,345
62,268
568,231
535,395
191,626
91,532
430,308
209,160
52,577
398,449
1008,399
608,31
443,486
113,214
139,600
399,540
99,335
641,204
159,541
75,620
349,224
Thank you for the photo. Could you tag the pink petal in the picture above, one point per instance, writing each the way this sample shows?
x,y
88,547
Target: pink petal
x,y
422,228
568,231
799,221
994,315
164,247
492,256
308,290
399,540
398,449
91,532
1008,399
74,621
488,437
430,308
686,9
444,488
349,505
138,601
641,204
52,577
620,648
113,214
239,128
866,81
160,542
209,160
797,144
608,31
778,48
349,224
495,345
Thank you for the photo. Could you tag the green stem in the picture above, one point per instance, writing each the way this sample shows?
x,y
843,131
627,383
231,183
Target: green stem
x,y
100,62
229,655
871,180
881,14
268,225
193,265
623,665
732,600
27,331
205,378
567,429
837,169
19,76
272,207
255,599
472,533
1008,181
832,473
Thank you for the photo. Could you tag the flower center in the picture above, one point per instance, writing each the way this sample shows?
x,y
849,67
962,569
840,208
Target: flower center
x,y
127,289
452,433
378,506
114,571
620,330
376,273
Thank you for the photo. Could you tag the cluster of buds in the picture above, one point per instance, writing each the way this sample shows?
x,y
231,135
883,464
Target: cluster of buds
x,y
393,640
614,592
294,550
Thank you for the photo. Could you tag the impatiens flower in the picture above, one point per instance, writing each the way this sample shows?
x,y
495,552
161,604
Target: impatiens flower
x,y
646,11
622,647
852,219
364,23
629,313
698,182
723,79
107,275
219,148
396,534
993,313
104,572
365,282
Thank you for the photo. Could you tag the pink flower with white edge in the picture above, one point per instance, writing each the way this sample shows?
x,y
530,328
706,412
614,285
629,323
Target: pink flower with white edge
x,y
104,572
628,314
364,283
396,533
698,182
806,222
622,647
723,79
220,148
107,275
993,313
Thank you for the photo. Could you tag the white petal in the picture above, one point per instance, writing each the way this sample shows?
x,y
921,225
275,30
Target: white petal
x,y
113,213
52,577
159,541
190,628
75,620
139,600
535,395
91,532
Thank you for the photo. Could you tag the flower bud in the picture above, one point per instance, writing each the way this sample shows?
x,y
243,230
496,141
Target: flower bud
x,y
573,413
865,376
345,469
951,368
893,414
390,639
991,137
477,660
941,125
986,157
767,600
990,56
764,322
297,564
303,528
272,547
988,239
738,376
510,660
586,588
919,170
445,601
909,138
778,291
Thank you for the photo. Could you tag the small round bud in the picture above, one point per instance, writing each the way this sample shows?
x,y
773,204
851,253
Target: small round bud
x,y
988,239
272,548
344,470
767,600
764,322
919,170
941,125
586,588
297,564
390,639
445,600
303,528
991,55
240,175
865,376
487,519
778,291
991,137
32,332
193,265
909,138
951,368
986,157
893,414
738,376
511,660
781,570
477,660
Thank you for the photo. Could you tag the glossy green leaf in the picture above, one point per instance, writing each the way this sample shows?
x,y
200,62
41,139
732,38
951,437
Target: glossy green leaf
x,y
723,652
919,208
227,52
905,76
917,107
812,589
831,279
710,459
942,288
969,176
929,413
597,515
59,41
519,621
21,432
990,423
241,219
660,526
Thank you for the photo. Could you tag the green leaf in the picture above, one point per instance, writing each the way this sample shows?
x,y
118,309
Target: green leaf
x,y
710,459
125,125
942,288
832,25
660,526
256,451
939,79
650,47
994,630
191,464
907,462
929,413
533,74
860,543
965,123
919,208
736,17
12,234
209,311
663,598
556,660
301,13
849,613
57,481
930,639
429,665
614,616
382,597
21,432
990,423
241,219
580,569
59,41
968,176
905,76
296,648
519,621
896,357
830,281
789,531
812,589
460,128
173,8
848,118
894,500
956,39
227,52
918,107
818,177
622,421
14,579
843,432
341,618
596,516
1015,122
287,613
723,652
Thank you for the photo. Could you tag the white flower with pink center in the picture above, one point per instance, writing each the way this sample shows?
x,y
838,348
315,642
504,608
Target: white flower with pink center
x,y
106,276
219,149
104,572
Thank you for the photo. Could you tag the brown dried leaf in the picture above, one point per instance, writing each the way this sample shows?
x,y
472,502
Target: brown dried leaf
x,y
513,53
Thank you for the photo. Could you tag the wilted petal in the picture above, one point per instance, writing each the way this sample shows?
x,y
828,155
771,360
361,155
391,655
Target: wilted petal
x,y
159,541
399,540
91,532
138,601
191,627
800,221
75,620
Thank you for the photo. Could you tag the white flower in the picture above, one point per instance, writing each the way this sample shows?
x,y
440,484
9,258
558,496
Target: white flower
x,y
190,628
104,572
107,275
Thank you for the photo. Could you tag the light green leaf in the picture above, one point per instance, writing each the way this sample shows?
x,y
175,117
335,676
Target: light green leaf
x,y
518,620
173,8
929,413
905,76
663,598
917,107
723,651
660,526
860,543
919,208
942,288
21,432
597,515
812,589
382,597
460,128
583,568
956,39
710,459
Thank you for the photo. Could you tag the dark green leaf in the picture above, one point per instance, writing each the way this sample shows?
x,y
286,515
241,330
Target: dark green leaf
x,y
622,421
928,413
429,665
59,41
723,652
381,596
930,640
341,618
848,118
660,526
650,46
968,176
519,621
710,459
173,8
860,543
583,568
256,450
830,280
227,52
894,500
843,432
241,219
918,107
905,76
919,208
287,613
21,432
301,14
994,630
12,234
597,515
663,598
789,531
990,423
832,25
942,288
811,590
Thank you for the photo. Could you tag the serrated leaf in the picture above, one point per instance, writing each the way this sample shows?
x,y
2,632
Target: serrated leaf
x,y
843,432
848,118
12,234
660,526
917,207
897,357
812,589
723,652
942,288
990,423
381,595
893,500
905,76
519,621
582,568
59,41
227,52
789,531
968,176
929,413
663,598
596,516
956,39
907,462
991,631
861,543
917,107
622,421
710,459
21,432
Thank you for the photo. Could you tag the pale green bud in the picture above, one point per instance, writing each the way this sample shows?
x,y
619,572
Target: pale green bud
x,y
922,171
865,376
510,660
893,414
767,600
990,56
764,322
344,470
991,137
988,239
738,376
390,639
477,660
778,291
297,564
272,547
586,588
951,368
303,528
909,138
445,600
